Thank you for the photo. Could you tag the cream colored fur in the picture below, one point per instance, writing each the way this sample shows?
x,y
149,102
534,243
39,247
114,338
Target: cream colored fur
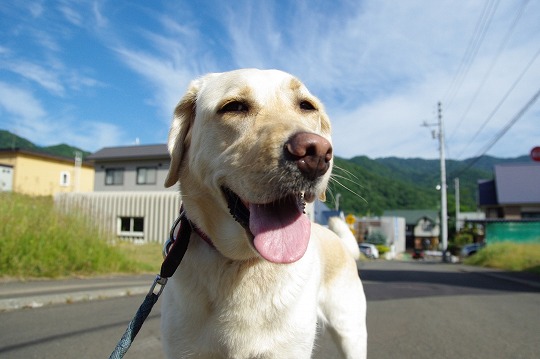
x,y
339,227
227,301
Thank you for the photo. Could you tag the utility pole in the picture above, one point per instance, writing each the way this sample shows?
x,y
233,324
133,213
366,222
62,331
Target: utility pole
x,y
456,186
444,210
77,171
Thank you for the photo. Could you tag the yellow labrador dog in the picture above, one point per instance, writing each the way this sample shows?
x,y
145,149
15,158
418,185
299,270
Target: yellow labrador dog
x,y
259,280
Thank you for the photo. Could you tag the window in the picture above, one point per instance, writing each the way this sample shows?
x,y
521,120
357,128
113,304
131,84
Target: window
x,y
114,176
131,226
530,215
427,226
64,178
146,175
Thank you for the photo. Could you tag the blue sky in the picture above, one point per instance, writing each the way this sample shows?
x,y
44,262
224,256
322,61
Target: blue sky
x,y
105,73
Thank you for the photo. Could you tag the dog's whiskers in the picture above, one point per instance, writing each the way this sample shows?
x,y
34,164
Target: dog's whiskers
x,y
335,178
356,180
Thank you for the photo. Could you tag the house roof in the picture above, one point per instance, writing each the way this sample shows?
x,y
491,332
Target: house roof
x,y
412,216
130,152
518,183
41,155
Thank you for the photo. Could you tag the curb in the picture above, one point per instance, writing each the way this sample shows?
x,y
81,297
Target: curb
x,y
38,301
16,295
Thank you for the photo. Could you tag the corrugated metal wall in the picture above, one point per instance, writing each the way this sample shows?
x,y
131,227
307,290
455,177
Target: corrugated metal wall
x,y
159,210
517,232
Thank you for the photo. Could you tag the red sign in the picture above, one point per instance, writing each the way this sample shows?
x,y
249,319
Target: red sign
x,y
535,154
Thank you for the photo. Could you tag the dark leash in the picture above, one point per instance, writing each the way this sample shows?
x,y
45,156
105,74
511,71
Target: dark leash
x,y
174,251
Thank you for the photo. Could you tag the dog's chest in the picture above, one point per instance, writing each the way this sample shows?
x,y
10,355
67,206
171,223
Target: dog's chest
x,y
243,309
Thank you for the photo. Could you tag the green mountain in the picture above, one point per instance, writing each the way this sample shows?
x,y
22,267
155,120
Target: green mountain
x,y
11,140
370,186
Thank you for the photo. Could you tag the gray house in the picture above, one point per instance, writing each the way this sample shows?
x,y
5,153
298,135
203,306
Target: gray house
x,y
129,200
513,194
511,202
131,168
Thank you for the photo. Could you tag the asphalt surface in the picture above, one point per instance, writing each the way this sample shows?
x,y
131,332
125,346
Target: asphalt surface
x,y
38,293
415,310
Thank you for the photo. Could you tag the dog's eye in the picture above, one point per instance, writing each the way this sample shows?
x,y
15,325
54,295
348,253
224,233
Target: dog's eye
x,y
234,106
307,106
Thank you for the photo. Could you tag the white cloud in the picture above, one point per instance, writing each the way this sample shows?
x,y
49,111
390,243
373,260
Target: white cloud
x,y
46,78
20,103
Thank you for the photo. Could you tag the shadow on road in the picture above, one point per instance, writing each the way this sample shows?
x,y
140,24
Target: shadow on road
x,y
430,279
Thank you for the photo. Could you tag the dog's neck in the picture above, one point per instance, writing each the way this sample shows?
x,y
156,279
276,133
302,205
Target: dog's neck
x,y
203,235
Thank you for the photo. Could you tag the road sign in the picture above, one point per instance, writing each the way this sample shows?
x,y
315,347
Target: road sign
x,y
535,153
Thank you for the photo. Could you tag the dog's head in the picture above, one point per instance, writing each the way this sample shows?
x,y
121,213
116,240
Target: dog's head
x,y
249,147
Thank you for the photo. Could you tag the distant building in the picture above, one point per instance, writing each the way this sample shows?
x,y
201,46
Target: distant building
x,y
513,194
320,213
511,203
392,228
422,227
35,173
469,216
131,168
129,200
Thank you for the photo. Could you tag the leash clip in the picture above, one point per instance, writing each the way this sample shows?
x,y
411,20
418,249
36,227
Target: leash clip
x,y
172,238
161,281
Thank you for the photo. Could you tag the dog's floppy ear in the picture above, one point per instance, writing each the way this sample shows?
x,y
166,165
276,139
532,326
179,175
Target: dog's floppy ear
x,y
178,142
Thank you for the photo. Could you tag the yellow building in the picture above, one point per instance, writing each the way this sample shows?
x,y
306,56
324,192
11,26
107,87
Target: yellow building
x,y
35,173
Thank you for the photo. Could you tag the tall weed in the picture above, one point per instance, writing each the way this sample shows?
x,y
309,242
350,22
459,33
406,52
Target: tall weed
x,y
508,256
36,240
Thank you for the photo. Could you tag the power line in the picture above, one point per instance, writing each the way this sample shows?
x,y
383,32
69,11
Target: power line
x,y
493,62
472,50
501,133
503,99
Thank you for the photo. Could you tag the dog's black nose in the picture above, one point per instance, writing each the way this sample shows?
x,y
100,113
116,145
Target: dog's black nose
x,y
312,153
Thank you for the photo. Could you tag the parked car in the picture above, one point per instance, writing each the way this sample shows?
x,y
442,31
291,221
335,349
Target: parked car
x,y
418,254
470,249
369,250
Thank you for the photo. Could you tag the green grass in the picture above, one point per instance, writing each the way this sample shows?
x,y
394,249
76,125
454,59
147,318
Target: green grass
x,y
508,256
37,241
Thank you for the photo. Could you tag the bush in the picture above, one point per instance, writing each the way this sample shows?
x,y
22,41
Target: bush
x,y
382,249
376,237
463,238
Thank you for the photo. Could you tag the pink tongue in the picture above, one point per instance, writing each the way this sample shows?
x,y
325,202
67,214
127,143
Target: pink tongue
x,y
281,230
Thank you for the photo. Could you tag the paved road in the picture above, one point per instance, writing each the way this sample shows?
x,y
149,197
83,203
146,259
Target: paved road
x,y
434,310
415,310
